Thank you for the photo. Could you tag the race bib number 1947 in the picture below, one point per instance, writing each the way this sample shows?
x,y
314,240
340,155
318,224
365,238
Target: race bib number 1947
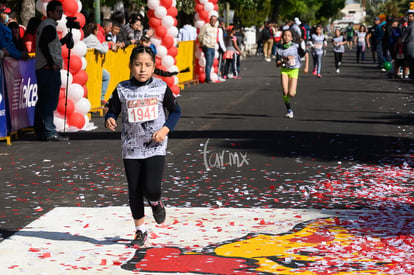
x,y
141,110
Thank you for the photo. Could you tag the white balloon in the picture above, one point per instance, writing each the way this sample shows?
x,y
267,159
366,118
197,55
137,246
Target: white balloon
x,y
79,6
61,26
153,4
83,106
167,21
198,24
84,63
76,35
86,125
45,1
212,13
172,31
75,92
216,54
167,61
213,76
161,51
44,8
203,2
155,41
64,78
202,62
175,80
173,68
80,49
59,123
174,3
160,12
208,6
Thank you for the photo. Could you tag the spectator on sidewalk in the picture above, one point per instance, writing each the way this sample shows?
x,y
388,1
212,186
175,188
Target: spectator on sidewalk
x,y
131,32
16,39
379,36
6,39
29,38
267,38
208,41
91,41
187,32
104,30
49,62
408,41
112,37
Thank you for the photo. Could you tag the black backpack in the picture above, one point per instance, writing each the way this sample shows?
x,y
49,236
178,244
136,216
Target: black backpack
x,y
266,33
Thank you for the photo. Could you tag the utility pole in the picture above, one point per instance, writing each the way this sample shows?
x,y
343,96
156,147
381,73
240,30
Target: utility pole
x,y
97,11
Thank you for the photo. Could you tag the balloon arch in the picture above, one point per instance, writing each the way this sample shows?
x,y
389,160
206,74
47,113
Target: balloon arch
x,y
162,19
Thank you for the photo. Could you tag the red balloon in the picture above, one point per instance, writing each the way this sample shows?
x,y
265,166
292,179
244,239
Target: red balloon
x,y
62,93
169,81
216,7
168,41
173,51
80,18
215,69
214,1
199,7
80,77
65,51
215,62
154,22
70,107
150,13
85,91
204,16
202,77
172,11
166,3
175,89
161,31
157,61
76,120
75,64
70,7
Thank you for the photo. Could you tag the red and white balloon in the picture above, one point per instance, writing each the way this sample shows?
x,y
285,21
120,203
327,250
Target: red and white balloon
x,y
162,20
77,105
204,10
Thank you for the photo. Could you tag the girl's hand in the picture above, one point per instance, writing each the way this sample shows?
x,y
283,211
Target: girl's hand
x,y
110,123
160,135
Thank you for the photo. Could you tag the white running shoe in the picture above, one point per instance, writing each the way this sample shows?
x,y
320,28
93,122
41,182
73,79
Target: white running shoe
x,y
337,71
289,114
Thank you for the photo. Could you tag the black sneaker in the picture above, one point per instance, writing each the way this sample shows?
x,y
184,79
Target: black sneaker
x,y
158,211
139,238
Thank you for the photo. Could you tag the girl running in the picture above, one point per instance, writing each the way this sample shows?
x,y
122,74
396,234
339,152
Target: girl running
x,y
288,57
232,51
317,43
142,101
361,41
338,47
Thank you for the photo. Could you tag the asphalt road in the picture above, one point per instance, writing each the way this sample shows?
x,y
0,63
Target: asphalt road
x,y
234,148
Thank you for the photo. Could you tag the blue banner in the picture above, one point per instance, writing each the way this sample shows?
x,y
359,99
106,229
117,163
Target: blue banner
x,y
3,118
21,91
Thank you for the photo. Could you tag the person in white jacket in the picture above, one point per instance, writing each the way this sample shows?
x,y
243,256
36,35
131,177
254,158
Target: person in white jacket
x,y
91,41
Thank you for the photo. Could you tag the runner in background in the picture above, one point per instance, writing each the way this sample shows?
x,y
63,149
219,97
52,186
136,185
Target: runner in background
x,y
317,44
338,42
349,35
288,57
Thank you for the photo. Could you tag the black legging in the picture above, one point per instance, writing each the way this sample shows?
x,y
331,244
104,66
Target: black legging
x,y
338,58
144,180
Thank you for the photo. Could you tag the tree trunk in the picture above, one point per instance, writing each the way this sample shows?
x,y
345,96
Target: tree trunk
x,y
28,11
